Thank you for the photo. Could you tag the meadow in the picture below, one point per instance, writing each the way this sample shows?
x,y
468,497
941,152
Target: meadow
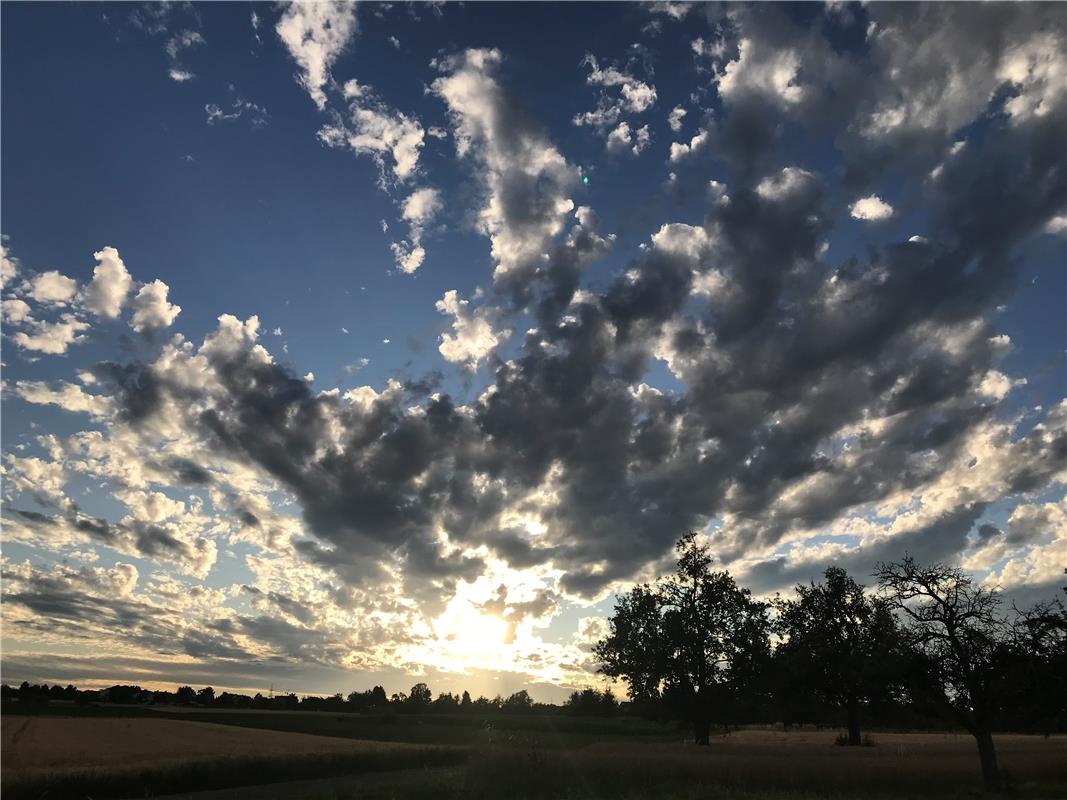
x,y
529,757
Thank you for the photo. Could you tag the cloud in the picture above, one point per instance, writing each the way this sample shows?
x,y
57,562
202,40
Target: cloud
x,y
621,139
679,150
675,118
53,288
634,97
527,180
106,293
176,44
871,208
316,34
151,309
52,338
257,115
473,337
378,131
418,210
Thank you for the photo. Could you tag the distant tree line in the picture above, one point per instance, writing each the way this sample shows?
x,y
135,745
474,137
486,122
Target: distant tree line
x,y
930,649
420,700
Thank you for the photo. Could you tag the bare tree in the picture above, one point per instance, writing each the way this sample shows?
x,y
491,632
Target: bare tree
x,y
965,647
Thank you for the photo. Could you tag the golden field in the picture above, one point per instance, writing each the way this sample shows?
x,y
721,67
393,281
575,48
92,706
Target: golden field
x,y
40,745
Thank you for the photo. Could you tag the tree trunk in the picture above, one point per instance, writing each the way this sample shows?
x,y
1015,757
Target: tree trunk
x,y
853,709
987,754
702,731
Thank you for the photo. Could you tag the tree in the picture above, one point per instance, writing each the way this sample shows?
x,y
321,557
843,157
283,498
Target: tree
x,y
206,696
695,639
185,695
841,641
966,651
465,702
419,697
519,702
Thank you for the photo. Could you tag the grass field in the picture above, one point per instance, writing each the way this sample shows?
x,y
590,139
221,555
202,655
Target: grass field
x,y
527,758
55,756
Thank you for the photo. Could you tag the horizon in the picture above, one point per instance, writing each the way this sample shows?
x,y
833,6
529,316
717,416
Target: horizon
x,y
353,345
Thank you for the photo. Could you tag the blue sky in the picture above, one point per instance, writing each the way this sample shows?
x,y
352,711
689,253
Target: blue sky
x,y
820,315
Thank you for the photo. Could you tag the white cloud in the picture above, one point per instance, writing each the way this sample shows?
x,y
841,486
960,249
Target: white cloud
x,y
52,338
316,32
473,337
418,210
871,208
378,131
1058,224
9,265
762,68
637,96
174,47
527,179
151,309
54,288
16,311
680,150
106,293
674,119
787,182
256,114
621,138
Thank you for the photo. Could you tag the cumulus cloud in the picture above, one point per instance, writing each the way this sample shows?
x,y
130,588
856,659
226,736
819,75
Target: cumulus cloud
x,y
871,208
316,33
621,138
106,293
52,338
473,337
53,288
527,179
151,309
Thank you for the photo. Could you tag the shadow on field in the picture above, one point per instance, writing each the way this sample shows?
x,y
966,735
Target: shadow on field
x,y
222,773
941,769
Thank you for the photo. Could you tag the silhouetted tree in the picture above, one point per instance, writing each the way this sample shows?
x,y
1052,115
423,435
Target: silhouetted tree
x,y
966,651
696,639
465,702
419,698
1040,700
206,696
841,642
590,702
519,702
446,702
185,695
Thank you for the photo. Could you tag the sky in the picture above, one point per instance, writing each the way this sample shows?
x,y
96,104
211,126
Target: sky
x,y
356,344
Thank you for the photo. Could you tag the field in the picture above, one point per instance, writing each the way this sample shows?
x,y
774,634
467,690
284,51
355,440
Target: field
x,y
511,757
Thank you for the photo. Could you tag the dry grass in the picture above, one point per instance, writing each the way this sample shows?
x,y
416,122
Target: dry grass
x,y
55,745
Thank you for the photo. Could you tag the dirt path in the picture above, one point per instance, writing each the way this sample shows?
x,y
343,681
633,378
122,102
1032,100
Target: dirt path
x,y
317,788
